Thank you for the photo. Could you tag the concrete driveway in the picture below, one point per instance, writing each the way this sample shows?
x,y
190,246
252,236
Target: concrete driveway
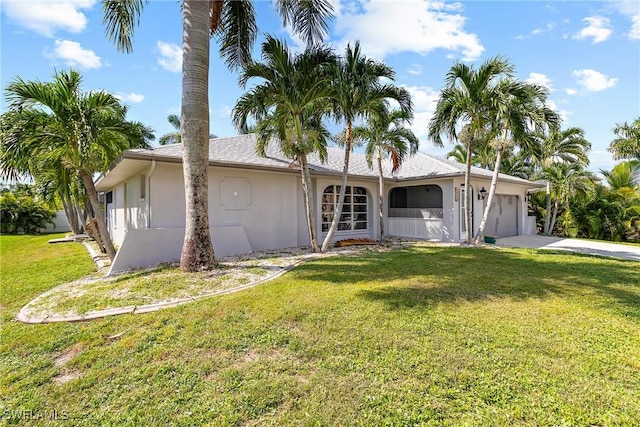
x,y
574,245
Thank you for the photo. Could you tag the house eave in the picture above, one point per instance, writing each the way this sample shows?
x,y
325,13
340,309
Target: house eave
x,y
110,178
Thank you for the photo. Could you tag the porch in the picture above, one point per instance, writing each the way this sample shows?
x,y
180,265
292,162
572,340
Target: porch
x,y
416,212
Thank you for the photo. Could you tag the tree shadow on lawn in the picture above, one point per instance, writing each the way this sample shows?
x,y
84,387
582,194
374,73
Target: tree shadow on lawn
x,y
425,276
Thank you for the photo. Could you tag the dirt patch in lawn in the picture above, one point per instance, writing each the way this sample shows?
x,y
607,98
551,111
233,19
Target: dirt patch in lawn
x,y
166,285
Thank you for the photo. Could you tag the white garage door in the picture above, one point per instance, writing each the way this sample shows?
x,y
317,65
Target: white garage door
x,y
503,217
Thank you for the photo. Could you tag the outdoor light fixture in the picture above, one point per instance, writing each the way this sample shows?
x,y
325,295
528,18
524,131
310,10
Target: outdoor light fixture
x,y
527,197
481,193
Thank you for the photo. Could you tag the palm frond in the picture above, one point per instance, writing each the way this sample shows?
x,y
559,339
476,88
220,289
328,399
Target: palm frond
x,y
120,20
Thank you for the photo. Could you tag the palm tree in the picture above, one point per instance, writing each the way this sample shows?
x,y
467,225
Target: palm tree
x,y
172,137
175,137
517,164
359,93
385,135
567,180
234,23
624,179
17,162
459,153
286,105
560,146
519,111
69,132
483,155
468,98
626,145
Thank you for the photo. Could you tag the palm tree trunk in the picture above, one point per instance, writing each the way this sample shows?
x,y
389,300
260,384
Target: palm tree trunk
x,y
492,191
197,251
91,229
556,206
308,203
87,181
547,214
343,190
381,195
467,196
71,213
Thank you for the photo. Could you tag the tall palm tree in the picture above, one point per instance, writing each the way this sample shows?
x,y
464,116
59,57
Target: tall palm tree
x,y
559,146
567,179
519,111
359,94
626,145
17,162
234,23
468,98
77,132
286,105
385,135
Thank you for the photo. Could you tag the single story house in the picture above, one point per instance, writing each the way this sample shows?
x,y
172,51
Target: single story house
x,y
256,203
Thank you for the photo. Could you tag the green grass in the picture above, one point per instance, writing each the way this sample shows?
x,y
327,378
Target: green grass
x,y
428,335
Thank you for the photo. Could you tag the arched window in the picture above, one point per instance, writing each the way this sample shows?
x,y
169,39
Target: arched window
x,y
355,211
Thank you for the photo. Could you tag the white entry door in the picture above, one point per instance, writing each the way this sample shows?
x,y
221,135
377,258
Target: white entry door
x,y
463,225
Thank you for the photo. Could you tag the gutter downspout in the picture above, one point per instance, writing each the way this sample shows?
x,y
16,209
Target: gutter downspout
x,y
151,169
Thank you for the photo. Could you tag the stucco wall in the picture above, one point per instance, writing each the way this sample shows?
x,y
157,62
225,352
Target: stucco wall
x,y
303,229
264,203
127,210
150,246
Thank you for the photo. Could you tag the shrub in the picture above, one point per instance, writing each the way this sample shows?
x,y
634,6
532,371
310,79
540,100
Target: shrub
x,y
23,214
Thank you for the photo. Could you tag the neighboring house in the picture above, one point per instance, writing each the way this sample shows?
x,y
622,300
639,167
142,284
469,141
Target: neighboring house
x,y
256,203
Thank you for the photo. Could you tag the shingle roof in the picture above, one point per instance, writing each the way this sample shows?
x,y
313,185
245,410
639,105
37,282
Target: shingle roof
x,y
240,150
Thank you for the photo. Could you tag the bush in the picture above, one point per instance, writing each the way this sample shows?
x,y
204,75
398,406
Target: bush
x,y
23,214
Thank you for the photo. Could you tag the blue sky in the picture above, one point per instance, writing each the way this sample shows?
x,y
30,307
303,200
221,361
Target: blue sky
x,y
587,53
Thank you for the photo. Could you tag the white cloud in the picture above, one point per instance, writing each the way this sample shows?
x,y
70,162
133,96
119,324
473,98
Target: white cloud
x,y
634,32
46,17
74,55
132,97
540,80
550,26
571,91
385,27
170,56
629,8
594,81
424,101
598,29
415,69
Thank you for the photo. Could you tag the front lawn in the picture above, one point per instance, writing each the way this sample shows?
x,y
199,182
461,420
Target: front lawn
x,y
427,335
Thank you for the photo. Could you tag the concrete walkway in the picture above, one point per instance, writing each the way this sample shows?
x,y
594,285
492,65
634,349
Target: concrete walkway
x,y
574,245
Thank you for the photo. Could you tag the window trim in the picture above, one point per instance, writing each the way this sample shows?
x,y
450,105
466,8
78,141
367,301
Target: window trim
x,y
143,187
330,199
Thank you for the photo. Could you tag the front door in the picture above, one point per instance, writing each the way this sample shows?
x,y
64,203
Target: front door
x,y
463,225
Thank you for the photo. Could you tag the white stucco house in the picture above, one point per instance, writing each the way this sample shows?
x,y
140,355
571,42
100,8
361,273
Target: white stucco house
x,y
256,203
